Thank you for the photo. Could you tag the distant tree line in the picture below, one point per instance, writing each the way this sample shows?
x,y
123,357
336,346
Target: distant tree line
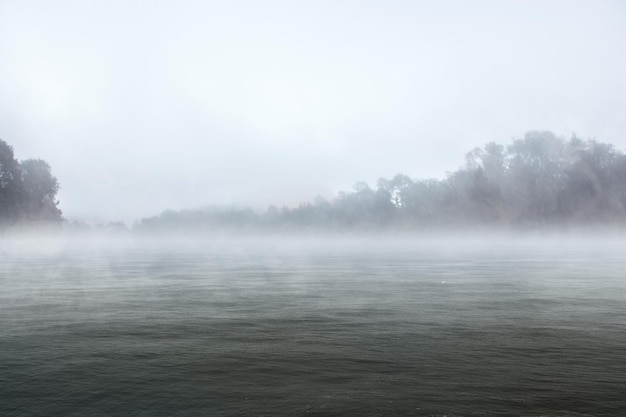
x,y
27,190
540,180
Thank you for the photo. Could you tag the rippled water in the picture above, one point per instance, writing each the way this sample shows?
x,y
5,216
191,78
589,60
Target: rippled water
x,y
286,328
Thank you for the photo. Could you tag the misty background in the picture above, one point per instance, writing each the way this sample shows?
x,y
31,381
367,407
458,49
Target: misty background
x,y
141,107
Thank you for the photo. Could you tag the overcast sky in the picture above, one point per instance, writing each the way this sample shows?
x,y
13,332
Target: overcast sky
x,y
141,106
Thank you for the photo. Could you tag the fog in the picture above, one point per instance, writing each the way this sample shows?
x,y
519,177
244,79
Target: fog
x,y
312,208
143,107
592,243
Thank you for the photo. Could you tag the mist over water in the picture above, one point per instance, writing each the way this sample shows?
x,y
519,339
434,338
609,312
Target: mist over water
x,y
312,208
313,326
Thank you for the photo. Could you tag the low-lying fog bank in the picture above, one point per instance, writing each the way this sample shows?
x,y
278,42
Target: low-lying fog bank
x,y
581,239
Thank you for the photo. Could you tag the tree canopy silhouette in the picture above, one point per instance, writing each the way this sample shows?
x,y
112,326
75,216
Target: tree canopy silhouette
x,y
27,190
537,181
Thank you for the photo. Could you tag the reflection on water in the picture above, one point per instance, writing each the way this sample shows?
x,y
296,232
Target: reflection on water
x,y
274,328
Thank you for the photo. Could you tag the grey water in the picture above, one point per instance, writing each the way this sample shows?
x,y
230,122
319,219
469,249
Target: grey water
x,y
295,328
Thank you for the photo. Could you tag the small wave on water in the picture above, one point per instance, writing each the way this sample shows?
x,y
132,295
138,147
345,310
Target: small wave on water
x,y
244,333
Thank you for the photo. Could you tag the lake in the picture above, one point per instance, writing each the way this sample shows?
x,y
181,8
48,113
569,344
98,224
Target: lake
x,y
313,327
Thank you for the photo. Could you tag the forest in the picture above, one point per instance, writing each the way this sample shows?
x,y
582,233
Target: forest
x,y
538,181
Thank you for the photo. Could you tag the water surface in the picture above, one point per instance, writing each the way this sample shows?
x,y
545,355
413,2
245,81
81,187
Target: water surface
x,y
293,328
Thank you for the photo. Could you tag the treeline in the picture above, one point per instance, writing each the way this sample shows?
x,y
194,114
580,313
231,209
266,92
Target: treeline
x,y
538,181
534,182
27,190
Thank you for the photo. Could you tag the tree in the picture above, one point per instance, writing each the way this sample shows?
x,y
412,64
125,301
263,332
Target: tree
x,y
10,185
594,187
536,174
27,189
39,191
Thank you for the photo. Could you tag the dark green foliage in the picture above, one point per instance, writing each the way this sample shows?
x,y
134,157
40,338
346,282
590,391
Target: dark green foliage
x,y
10,185
27,190
40,189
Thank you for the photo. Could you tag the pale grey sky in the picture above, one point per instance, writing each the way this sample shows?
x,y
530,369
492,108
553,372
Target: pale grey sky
x,y
140,106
